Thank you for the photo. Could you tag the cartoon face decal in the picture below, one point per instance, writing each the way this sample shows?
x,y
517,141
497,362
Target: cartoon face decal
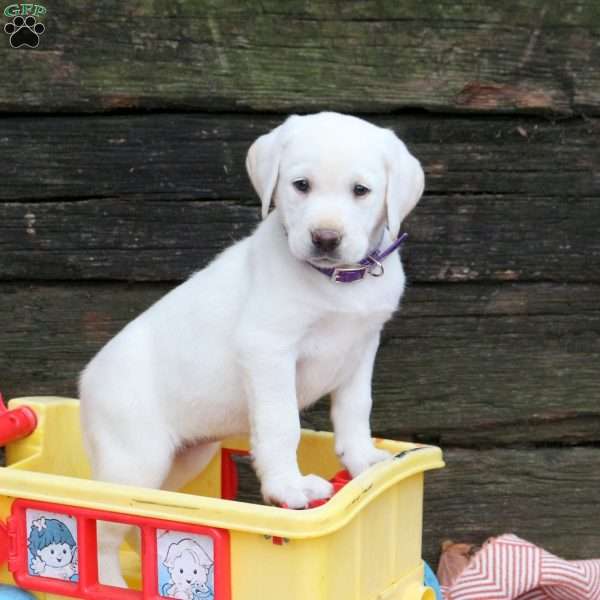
x,y
51,541
185,565
56,555
186,569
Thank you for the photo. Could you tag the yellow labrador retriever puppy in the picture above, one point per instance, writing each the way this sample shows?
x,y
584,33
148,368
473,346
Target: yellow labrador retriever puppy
x,y
279,319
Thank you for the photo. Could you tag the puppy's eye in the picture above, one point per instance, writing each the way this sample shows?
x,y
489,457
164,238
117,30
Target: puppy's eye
x,y
302,185
360,190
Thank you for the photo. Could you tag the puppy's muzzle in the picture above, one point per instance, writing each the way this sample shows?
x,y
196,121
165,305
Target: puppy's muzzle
x,y
326,240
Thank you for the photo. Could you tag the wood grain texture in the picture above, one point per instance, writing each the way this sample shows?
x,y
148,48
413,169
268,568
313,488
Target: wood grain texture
x,y
507,199
522,55
468,365
202,157
117,239
548,496
451,238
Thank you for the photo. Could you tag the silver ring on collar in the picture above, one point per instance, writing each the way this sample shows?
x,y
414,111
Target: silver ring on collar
x,y
376,269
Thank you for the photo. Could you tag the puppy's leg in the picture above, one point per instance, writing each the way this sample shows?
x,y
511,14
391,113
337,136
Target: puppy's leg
x,y
188,463
350,412
144,461
275,430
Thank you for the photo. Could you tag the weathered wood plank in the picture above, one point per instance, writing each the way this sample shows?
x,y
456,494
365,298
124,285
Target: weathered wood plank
x,y
113,239
467,365
179,156
452,238
546,495
367,56
506,198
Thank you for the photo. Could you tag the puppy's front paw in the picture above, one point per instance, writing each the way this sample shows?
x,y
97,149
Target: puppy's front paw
x,y
358,460
316,488
288,492
296,493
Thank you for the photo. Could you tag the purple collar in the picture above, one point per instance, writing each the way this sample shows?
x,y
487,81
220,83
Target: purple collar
x,y
371,264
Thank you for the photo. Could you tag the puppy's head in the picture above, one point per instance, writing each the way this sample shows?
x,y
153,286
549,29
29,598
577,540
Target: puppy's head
x,y
336,181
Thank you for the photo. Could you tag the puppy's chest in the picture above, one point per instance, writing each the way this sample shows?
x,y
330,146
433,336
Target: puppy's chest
x,y
330,353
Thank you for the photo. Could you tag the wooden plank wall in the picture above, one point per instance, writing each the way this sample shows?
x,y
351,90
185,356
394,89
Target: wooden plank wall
x,y
122,143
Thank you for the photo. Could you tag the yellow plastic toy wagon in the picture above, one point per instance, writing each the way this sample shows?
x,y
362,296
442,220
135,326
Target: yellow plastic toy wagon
x,y
362,544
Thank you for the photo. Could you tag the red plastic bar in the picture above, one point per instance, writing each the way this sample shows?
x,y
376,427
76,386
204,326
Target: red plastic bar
x,y
88,586
229,474
4,543
16,423
86,539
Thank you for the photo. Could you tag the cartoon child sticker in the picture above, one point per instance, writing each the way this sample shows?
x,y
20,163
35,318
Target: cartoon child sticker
x,y
190,570
52,549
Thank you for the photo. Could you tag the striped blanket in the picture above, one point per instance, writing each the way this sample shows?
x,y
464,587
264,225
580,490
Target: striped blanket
x,y
509,568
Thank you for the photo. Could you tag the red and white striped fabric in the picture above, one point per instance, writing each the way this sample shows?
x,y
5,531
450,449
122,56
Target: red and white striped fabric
x,y
509,568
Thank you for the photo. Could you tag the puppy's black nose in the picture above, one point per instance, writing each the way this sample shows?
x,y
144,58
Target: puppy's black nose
x,y
326,240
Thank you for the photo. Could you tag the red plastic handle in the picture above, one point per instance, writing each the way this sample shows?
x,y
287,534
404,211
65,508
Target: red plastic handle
x,y
16,423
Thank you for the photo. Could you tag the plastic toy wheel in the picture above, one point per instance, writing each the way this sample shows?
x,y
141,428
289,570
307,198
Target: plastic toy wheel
x,y
9,592
431,581
419,592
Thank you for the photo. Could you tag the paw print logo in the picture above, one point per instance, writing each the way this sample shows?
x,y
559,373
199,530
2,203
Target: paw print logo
x,y
24,32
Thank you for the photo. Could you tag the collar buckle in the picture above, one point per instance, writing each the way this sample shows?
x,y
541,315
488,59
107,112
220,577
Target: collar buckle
x,y
348,274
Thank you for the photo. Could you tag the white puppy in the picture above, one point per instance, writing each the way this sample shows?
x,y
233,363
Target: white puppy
x,y
261,333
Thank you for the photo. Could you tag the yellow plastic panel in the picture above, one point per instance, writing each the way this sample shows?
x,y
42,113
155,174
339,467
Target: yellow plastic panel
x,y
364,544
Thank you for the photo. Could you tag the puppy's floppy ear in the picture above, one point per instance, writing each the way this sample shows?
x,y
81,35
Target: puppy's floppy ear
x,y
405,181
262,163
